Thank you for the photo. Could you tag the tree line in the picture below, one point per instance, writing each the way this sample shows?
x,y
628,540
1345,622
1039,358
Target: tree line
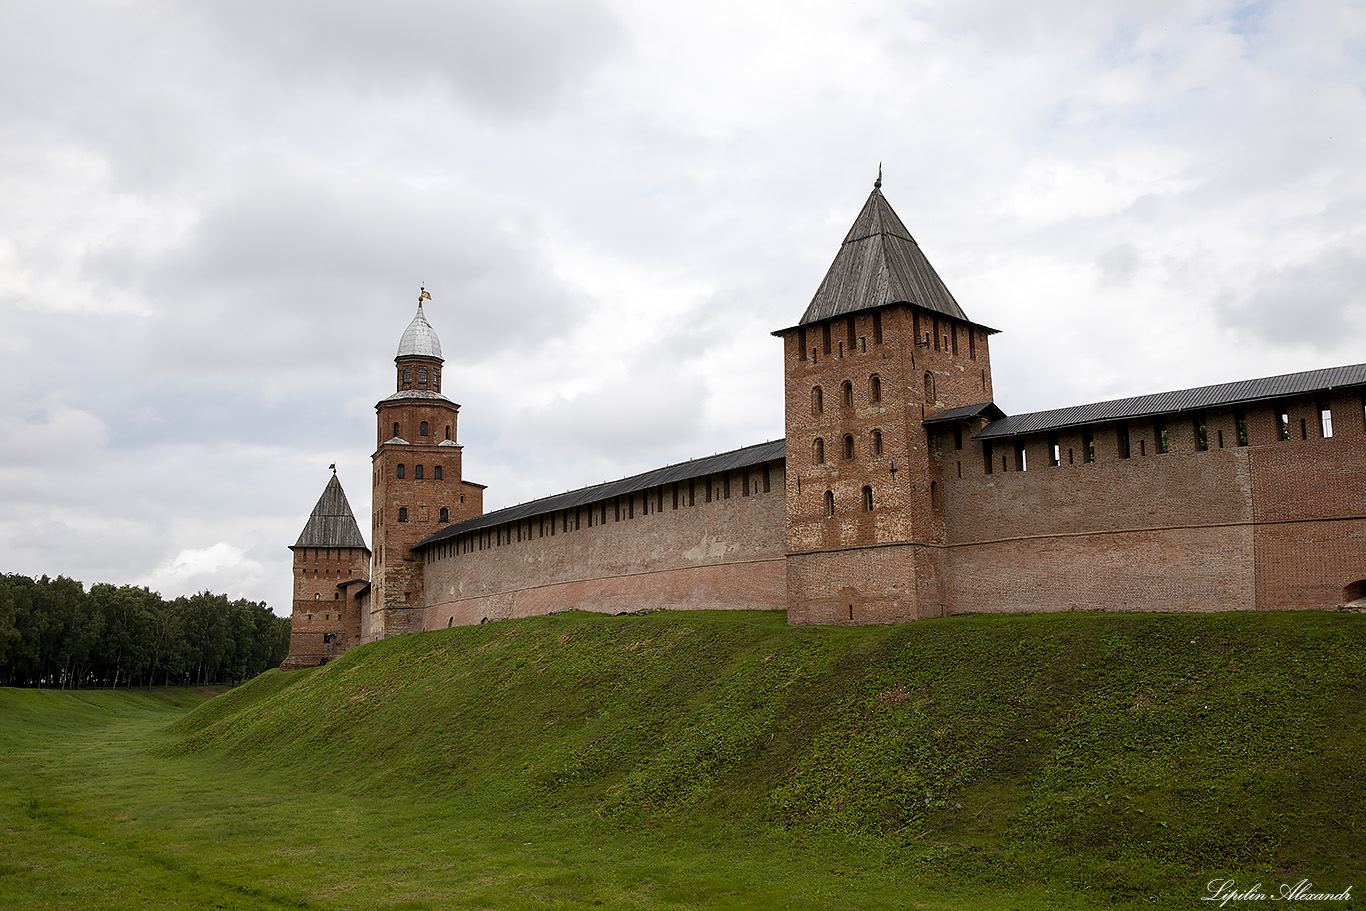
x,y
55,633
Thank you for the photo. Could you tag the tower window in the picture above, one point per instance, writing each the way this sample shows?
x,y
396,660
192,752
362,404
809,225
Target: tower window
x,y
436,472
825,337
417,472
1021,459
929,387
852,330
877,327
972,343
1088,446
407,374
403,514
877,442
847,393
436,379
817,401
1325,421
875,387
422,376
801,342
848,446
1160,435
1054,450
1201,432
422,429
395,428
829,503
867,498
1122,438
400,472
986,456
1284,426
818,451
446,516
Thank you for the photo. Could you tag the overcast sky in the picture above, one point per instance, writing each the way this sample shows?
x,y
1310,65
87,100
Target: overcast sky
x,y
215,216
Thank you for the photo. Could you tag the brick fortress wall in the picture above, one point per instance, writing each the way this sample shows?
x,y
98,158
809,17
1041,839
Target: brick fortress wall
x,y
872,553
326,619
1273,524
628,553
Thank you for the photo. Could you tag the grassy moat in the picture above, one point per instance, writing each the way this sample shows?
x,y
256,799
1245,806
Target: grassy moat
x,y
713,760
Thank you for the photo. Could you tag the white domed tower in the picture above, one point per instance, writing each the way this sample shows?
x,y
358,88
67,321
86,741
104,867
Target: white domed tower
x,y
417,479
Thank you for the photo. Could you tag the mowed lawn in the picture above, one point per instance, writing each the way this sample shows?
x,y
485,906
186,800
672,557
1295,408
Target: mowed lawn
x,y
712,761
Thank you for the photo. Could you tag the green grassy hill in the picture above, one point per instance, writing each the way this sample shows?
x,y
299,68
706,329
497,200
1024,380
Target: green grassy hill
x,y
718,759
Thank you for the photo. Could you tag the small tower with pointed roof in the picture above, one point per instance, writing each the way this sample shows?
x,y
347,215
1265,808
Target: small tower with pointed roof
x,y
882,346
331,567
418,484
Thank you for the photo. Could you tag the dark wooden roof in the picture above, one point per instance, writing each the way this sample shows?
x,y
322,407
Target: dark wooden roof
x,y
332,524
1160,403
879,264
696,468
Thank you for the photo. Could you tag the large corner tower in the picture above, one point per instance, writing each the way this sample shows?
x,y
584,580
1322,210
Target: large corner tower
x,y
331,566
882,347
417,480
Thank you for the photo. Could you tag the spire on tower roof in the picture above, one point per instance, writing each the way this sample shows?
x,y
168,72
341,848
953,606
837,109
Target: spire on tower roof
x,y
878,264
332,524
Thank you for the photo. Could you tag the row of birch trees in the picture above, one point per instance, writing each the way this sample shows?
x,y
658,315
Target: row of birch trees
x,y
54,633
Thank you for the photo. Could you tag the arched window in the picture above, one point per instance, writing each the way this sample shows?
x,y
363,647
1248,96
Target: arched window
x,y
422,429
417,472
818,451
929,386
401,472
867,498
436,472
875,388
877,442
817,400
445,514
436,380
847,394
848,446
829,503
448,431
422,376
395,428
403,514
317,596
407,374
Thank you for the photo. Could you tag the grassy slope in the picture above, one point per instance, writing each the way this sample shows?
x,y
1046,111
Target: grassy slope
x,y
727,760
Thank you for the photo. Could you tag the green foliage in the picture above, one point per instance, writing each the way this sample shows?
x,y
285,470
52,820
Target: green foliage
x,y
727,760
53,633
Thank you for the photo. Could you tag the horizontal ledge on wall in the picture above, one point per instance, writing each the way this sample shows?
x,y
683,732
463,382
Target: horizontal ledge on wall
x,y
1249,523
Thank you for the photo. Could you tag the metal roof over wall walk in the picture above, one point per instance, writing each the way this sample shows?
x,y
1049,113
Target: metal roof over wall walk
x,y
1220,395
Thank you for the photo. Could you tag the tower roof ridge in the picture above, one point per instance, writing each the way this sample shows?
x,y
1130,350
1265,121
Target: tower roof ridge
x,y
879,263
331,524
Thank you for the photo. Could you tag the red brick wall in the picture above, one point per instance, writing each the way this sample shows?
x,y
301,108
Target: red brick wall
x,y
727,553
321,607
398,579
902,508
1271,525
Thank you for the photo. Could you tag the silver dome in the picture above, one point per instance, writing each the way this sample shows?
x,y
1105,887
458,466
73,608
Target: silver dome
x,y
419,338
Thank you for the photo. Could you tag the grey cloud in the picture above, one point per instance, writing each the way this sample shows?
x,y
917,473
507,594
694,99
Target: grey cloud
x,y
1118,264
510,57
1318,303
294,273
